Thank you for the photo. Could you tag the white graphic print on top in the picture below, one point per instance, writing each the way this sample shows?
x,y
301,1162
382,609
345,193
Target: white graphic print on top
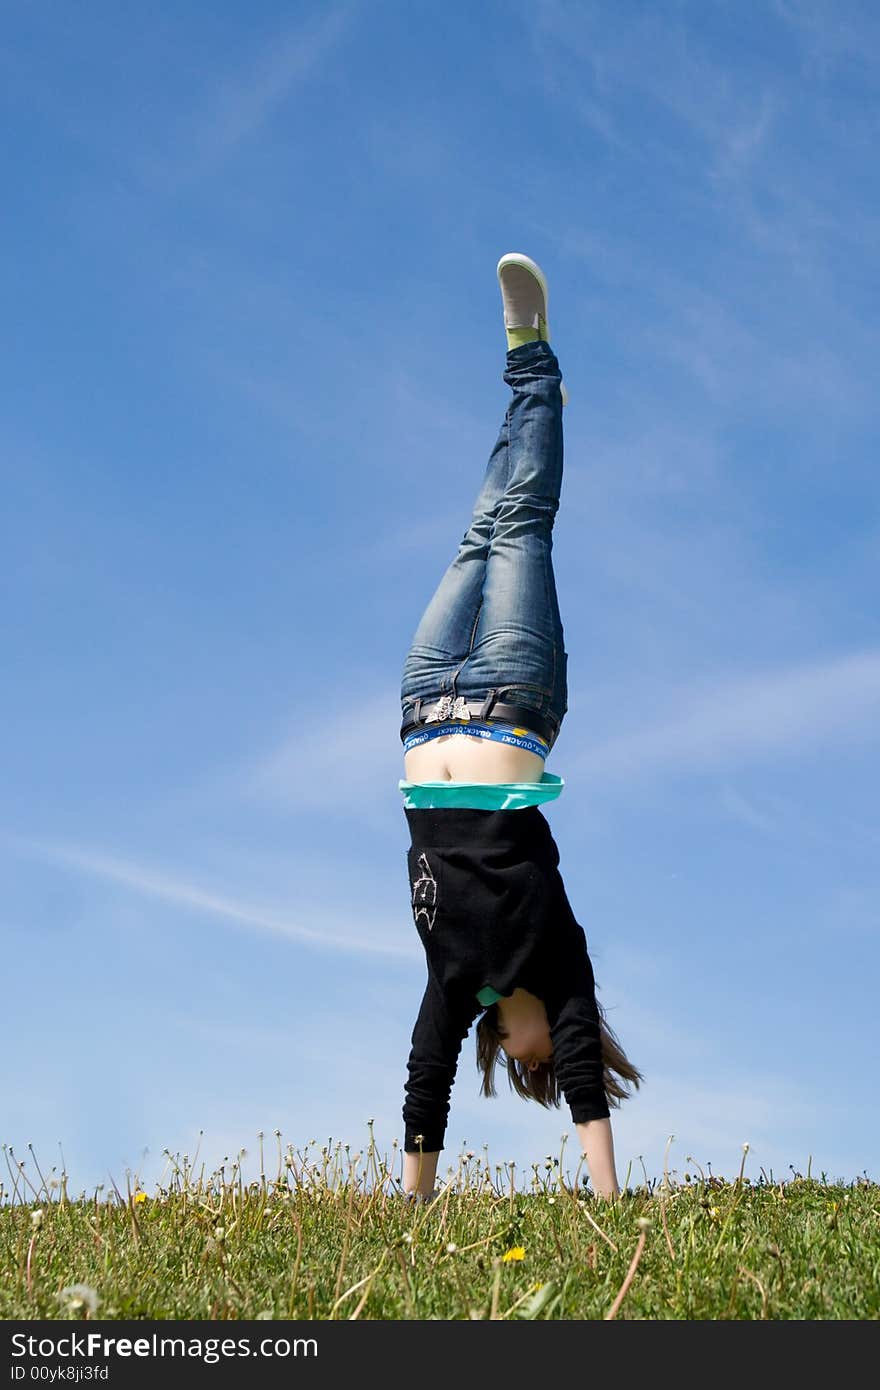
x,y
424,894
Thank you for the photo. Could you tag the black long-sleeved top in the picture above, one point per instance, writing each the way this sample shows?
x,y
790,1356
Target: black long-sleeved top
x,y
490,908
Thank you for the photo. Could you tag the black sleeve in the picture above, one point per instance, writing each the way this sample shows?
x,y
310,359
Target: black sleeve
x,y
440,1029
573,1015
578,1053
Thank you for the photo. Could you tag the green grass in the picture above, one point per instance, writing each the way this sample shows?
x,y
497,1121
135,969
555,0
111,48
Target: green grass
x,y
326,1235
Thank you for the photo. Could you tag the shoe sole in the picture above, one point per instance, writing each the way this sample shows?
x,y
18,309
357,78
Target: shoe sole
x,y
517,258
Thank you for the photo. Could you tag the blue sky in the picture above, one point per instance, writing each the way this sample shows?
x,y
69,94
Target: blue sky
x,y
253,359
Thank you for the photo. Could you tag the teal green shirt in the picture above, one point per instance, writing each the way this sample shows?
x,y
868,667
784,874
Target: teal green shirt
x,y
485,796
487,995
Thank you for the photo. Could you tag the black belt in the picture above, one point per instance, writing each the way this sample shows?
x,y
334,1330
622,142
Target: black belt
x,y
500,713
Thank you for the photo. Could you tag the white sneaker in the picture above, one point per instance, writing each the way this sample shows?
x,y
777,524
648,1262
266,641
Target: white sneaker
x,y
525,296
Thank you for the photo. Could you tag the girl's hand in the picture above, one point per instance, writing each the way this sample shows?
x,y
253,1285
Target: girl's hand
x,y
420,1199
597,1143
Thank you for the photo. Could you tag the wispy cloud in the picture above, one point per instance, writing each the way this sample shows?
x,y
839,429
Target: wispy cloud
x,y
744,809
371,939
732,134
762,716
654,58
355,742
711,1120
733,363
246,101
713,338
766,715
854,908
830,35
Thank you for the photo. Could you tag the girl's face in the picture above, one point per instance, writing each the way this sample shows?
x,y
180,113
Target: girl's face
x,y
527,1035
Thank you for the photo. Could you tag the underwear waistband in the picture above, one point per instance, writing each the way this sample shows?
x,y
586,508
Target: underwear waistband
x,y
514,735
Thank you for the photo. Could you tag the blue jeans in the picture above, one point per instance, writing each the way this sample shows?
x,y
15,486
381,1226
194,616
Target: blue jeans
x,y
493,624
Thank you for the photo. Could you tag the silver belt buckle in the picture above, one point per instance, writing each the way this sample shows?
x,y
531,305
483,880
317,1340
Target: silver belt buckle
x,y
447,708
441,710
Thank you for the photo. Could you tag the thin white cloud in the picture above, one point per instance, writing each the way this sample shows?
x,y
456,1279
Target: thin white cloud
x,y
731,361
659,62
743,809
355,743
764,716
371,939
243,104
712,1120
854,908
829,35
739,126
776,713
711,338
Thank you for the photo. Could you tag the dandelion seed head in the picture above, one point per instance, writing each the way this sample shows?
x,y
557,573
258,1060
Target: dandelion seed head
x,y
77,1296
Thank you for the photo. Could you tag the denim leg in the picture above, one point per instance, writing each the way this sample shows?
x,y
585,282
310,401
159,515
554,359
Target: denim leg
x,y
445,632
518,642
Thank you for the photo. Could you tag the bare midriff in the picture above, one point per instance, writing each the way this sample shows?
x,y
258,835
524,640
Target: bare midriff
x,y
463,758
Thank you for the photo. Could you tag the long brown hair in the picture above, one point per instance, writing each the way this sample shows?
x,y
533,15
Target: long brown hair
x,y
542,1084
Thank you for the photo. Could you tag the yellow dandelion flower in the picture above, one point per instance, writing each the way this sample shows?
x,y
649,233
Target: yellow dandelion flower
x,y
516,1253
140,1196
